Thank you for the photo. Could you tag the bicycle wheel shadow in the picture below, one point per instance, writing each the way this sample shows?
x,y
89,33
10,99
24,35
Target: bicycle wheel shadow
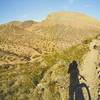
x,y
75,88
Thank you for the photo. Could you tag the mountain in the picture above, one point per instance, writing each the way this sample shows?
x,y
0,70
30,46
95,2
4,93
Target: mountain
x,y
17,23
28,23
60,29
22,24
34,56
70,28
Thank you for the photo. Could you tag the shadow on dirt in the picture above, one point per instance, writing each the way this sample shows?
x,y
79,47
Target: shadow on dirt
x,y
75,88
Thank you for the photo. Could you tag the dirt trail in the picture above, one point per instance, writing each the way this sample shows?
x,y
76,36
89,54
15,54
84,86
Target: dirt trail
x,y
89,70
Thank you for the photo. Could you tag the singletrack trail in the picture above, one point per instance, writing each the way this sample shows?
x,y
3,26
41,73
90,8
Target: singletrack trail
x,y
89,70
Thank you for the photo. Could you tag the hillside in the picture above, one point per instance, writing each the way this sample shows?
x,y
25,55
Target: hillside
x,y
34,56
60,29
71,28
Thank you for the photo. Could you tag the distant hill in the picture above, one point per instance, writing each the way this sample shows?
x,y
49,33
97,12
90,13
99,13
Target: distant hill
x,y
22,24
28,23
17,23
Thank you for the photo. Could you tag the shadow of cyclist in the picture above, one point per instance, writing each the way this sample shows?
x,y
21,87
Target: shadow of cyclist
x,y
75,88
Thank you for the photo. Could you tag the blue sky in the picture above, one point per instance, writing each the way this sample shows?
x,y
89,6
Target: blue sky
x,y
39,9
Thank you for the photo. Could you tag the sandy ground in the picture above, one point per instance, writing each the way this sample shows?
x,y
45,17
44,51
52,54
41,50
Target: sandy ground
x,y
89,70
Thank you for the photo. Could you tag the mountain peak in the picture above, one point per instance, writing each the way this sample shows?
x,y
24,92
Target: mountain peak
x,y
16,23
69,15
28,23
66,14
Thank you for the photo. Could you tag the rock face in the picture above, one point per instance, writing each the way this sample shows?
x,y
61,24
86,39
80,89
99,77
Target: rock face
x,y
35,57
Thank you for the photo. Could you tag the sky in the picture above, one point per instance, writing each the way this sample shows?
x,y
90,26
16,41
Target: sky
x,y
39,9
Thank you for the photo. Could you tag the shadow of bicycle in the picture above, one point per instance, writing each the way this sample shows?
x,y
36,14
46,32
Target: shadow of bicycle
x,y
75,88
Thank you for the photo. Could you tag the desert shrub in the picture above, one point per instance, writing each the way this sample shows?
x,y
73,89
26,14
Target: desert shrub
x,y
38,75
73,53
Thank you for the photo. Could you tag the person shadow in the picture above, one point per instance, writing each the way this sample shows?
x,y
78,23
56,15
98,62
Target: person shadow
x,y
75,88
